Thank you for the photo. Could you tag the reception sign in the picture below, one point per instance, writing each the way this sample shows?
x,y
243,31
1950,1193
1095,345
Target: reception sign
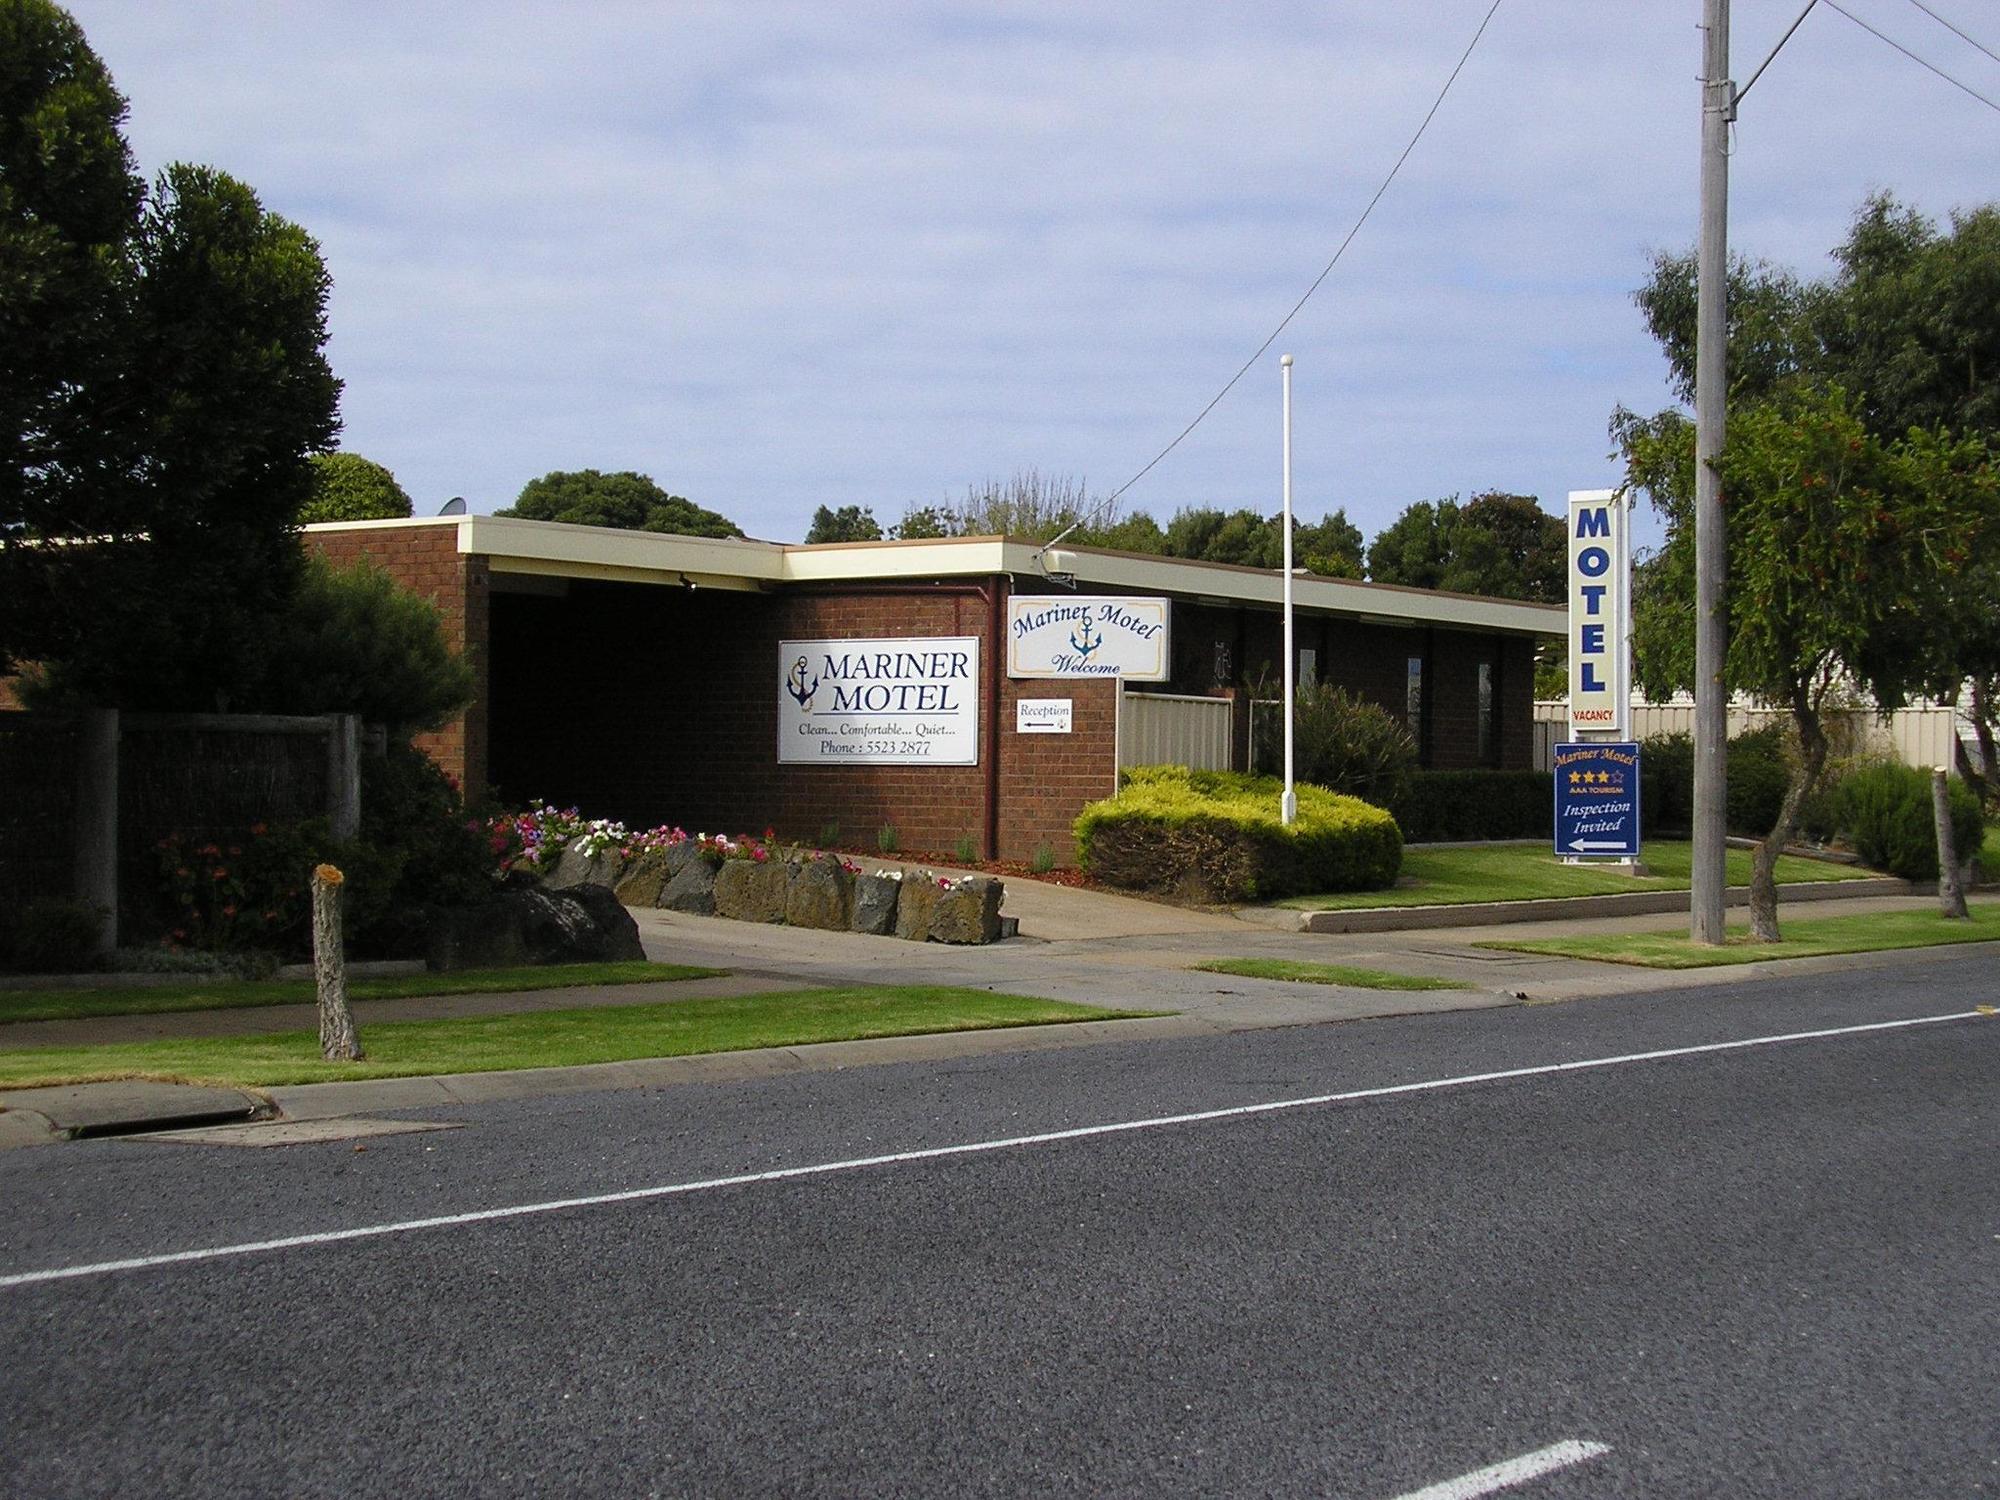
x,y
905,702
1079,635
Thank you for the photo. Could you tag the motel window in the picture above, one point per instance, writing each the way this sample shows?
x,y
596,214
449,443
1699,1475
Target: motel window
x,y
1486,738
1308,666
1413,699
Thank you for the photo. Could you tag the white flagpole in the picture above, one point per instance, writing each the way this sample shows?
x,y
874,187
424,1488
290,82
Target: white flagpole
x,y
1288,809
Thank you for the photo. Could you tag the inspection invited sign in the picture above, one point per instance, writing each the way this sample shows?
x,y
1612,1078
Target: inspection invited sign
x,y
1597,799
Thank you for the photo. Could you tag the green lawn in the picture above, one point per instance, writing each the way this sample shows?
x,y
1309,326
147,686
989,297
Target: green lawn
x,y
1526,872
556,1038
1804,937
211,994
1341,974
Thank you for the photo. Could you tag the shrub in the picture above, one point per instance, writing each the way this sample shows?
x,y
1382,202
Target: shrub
x,y
51,937
416,851
1759,769
1666,784
1340,742
1886,812
1216,835
1450,806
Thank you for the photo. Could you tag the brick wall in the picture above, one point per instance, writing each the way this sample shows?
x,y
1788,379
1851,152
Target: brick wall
x,y
660,705
426,560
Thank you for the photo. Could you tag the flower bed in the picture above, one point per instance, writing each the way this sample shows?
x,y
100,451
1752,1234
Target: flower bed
x,y
745,878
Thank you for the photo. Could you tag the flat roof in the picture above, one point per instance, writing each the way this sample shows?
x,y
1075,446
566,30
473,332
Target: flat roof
x,y
552,549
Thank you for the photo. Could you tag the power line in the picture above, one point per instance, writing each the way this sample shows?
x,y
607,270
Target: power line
x,y
1966,88
1970,41
1342,250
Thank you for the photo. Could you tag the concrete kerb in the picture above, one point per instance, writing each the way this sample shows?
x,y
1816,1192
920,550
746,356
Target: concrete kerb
x,y
1140,960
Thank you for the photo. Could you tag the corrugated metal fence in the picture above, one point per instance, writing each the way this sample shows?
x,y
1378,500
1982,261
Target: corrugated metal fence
x,y
1915,736
1156,729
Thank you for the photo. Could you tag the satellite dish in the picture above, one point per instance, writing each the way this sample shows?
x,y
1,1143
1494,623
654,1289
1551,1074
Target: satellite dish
x,y
455,506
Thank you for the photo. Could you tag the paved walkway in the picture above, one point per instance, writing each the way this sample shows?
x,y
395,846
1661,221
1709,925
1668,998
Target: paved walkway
x,y
1083,946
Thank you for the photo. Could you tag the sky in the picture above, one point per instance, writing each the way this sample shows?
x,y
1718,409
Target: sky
x,y
784,255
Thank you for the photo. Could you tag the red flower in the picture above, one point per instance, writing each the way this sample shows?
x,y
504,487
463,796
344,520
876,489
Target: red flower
x,y
258,830
218,873
229,911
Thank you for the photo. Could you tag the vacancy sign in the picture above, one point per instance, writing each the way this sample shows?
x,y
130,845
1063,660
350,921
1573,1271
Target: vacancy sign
x,y
1600,589
1597,800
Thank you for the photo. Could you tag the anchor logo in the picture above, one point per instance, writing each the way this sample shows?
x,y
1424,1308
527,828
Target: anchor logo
x,y
1088,644
798,687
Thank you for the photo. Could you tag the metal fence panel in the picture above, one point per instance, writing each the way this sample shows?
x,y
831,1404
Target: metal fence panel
x,y
1167,729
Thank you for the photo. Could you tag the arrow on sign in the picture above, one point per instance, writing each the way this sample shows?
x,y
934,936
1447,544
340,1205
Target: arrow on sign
x,y
1616,846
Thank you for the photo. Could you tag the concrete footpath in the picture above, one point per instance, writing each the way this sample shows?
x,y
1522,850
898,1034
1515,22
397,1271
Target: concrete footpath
x,y
1083,946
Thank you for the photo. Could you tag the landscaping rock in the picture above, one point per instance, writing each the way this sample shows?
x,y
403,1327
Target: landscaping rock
x,y
819,894
681,855
969,912
875,899
915,906
644,879
576,868
751,890
535,926
691,888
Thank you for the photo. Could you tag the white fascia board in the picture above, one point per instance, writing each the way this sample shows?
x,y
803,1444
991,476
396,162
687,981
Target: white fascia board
x,y
554,549
1264,588
858,562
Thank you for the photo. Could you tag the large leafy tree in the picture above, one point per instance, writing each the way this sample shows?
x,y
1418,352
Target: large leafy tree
x,y
155,429
628,501
348,487
1909,325
1501,545
1844,549
851,523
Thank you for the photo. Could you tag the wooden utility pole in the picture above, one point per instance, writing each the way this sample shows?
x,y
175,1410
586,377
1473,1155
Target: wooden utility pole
x,y
1711,699
338,1041
1951,899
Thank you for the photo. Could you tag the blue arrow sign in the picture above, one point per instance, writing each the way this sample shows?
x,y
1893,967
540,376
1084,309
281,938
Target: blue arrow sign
x,y
1597,800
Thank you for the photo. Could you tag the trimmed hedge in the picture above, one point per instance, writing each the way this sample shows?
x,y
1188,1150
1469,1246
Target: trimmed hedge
x,y
1216,836
1757,770
1460,806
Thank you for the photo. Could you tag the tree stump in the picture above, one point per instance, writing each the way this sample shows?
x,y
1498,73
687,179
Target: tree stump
x,y
337,1039
1951,900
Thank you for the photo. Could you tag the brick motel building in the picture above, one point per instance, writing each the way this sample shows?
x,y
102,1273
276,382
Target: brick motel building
x,y
644,677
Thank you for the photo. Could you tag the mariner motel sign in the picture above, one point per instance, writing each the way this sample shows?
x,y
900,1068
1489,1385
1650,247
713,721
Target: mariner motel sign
x,y
914,701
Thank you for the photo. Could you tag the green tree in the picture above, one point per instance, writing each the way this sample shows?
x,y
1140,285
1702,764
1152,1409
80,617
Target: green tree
x,y
923,523
1332,547
354,641
348,487
851,523
164,383
625,501
1843,551
1415,549
1499,545
1207,534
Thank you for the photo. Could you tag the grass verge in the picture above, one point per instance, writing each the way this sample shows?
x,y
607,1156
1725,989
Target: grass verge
x,y
554,1038
1341,974
229,994
1528,872
1805,937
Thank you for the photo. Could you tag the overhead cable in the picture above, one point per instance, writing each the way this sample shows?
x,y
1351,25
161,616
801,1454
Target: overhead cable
x,y
1285,322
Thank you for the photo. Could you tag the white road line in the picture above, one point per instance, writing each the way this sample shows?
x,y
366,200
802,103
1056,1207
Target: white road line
x,y
935,1153
1504,1476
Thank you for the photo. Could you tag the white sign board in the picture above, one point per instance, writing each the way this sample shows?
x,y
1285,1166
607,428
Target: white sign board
x,y
1080,635
1042,716
907,702
1600,593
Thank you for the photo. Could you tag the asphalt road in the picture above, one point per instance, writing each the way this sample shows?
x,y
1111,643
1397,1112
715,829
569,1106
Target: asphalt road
x,y
1772,1270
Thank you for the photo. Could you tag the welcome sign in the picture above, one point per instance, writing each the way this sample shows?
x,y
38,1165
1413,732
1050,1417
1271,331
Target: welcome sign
x,y
1073,635
912,701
